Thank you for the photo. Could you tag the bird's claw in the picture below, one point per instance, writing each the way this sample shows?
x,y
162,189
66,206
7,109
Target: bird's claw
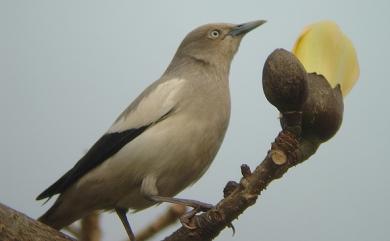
x,y
188,221
230,225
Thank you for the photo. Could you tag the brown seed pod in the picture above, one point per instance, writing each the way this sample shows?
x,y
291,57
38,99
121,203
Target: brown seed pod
x,y
284,81
322,111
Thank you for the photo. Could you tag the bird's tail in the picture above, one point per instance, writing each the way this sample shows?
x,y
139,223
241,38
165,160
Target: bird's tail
x,y
50,218
45,218
59,215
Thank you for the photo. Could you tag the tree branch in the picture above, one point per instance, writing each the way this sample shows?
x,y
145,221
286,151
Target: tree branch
x,y
17,226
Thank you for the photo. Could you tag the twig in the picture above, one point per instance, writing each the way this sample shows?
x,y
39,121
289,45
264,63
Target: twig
x,y
90,228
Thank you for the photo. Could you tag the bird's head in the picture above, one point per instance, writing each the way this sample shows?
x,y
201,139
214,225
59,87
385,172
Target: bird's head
x,y
215,44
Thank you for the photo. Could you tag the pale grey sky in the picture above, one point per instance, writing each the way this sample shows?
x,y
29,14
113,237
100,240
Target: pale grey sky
x,y
68,68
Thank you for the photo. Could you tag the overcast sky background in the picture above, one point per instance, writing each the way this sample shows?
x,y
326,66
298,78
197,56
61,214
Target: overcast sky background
x,y
68,68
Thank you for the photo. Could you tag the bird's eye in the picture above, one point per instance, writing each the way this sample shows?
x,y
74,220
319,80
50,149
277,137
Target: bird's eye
x,y
214,34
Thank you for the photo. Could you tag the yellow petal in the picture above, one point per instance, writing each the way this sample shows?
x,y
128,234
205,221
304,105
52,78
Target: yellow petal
x,y
323,48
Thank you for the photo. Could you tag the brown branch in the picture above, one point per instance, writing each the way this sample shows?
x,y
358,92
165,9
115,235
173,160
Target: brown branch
x,y
90,228
166,219
17,226
284,154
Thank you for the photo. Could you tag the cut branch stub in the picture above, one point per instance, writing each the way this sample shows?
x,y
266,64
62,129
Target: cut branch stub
x,y
245,170
278,157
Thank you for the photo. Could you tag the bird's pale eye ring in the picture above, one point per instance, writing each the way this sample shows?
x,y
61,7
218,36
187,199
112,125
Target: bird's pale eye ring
x,y
214,34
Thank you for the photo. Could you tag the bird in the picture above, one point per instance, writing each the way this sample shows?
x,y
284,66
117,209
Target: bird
x,y
163,142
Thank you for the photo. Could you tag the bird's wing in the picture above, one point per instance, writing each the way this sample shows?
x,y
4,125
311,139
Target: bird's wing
x,y
152,106
154,102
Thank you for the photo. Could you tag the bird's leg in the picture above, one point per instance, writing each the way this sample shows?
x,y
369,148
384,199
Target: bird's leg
x,y
122,215
150,192
186,218
200,206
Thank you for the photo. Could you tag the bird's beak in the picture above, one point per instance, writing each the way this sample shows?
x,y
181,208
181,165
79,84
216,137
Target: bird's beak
x,y
244,28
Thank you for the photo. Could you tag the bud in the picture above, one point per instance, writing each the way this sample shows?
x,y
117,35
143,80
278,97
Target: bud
x,y
284,81
322,111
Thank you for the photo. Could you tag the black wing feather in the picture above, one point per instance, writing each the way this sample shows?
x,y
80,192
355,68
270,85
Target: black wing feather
x,y
104,148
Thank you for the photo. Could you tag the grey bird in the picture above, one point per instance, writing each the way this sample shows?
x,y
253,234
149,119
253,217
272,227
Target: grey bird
x,y
163,142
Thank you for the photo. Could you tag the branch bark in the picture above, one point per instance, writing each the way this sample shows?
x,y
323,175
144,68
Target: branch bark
x,y
17,226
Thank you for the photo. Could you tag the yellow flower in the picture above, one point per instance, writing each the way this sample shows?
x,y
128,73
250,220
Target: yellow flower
x,y
323,48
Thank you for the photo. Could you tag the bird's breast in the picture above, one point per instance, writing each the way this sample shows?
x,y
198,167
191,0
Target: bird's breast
x,y
190,151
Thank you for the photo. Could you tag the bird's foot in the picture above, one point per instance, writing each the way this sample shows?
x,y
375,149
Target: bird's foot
x,y
188,220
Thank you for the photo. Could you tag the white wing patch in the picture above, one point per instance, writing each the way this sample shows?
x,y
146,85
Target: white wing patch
x,y
152,107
